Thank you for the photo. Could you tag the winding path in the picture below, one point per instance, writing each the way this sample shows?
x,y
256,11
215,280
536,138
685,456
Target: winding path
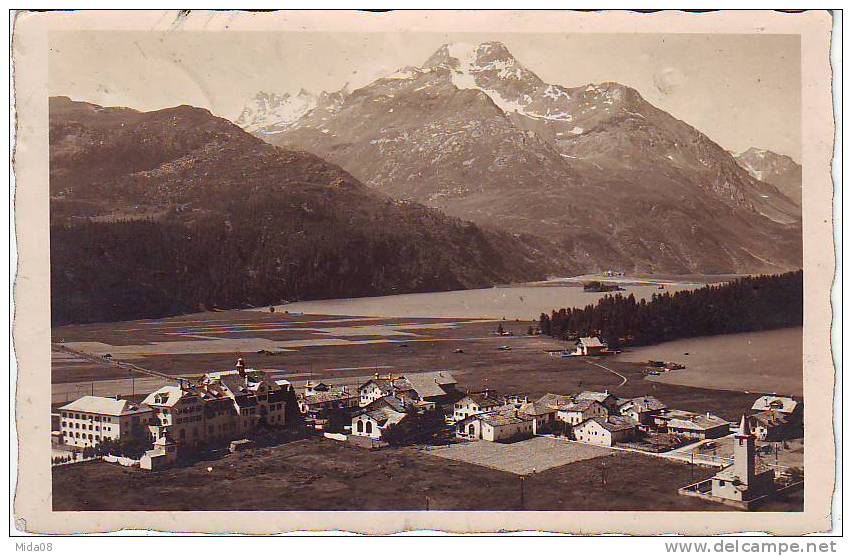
x,y
616,373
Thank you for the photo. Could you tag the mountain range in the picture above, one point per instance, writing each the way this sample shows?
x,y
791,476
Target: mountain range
x,y
465,171
176,210
606,179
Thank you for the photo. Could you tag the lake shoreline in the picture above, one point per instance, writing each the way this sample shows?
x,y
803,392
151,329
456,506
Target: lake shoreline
x,y
511,302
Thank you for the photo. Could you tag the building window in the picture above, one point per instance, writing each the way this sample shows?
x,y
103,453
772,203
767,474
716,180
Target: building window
x,y
360,426
369,429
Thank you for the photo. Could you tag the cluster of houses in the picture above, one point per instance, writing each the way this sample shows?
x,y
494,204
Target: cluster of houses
x,y
598,418
378,403
221,407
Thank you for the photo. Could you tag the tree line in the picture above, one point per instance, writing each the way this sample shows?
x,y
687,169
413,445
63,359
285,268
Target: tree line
x,y
747,304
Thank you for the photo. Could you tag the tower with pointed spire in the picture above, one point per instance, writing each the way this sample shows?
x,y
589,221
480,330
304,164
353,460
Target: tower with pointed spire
x,y
746,481
744,453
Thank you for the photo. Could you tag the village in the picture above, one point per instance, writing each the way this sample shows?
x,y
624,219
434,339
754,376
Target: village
x,y
238,410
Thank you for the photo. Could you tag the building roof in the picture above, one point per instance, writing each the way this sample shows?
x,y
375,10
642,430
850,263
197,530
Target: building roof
x,y
771,418
778,403
581,406
647,403
429,385
612,424
599,397
548,403
503,418
694,421
279,395
173,394
105,406
386,415
484,399
727,473
388,385
233,382
394,402
330,396
556,401
591,341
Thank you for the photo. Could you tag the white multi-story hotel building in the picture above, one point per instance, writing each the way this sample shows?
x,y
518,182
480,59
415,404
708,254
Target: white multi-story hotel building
x,y
91,419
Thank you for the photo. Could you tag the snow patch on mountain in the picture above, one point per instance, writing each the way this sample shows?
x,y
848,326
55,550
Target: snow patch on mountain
x,y
271,113
465,67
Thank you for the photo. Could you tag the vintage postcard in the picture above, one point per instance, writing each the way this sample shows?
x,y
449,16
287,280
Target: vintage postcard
x,y
457,271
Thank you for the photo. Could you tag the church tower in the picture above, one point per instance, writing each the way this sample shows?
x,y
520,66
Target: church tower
x,y
743,466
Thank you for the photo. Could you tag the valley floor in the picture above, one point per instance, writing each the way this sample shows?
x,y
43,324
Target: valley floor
x,y
322,474
348,350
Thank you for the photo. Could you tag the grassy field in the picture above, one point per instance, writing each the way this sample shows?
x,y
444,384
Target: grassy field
x,y
319,474
521,458
401,345
411,347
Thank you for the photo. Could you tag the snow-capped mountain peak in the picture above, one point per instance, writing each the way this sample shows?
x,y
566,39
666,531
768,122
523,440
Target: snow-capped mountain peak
x,y
777,169
490,67
273,113
478,135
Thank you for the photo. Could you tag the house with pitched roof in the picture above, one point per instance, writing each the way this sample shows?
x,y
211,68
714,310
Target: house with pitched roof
x,y
438,387
506,424
590,345
381,386
316,405
686,424
544,411
477,402
604,431
771,425
605,398
371,420
775,418
581,410
642,409
312,388
781,404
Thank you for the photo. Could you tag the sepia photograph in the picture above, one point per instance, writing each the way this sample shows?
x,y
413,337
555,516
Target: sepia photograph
x,y
427,262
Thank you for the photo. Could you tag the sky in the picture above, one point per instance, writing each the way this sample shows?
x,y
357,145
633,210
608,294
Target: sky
x,y
740,90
